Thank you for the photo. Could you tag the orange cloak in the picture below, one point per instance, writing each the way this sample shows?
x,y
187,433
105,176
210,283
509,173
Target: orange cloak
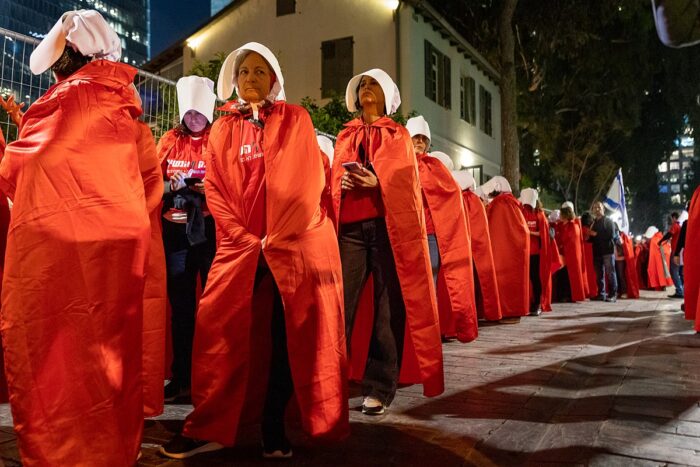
x,y
444,198
231,350
73,286
659,263
569,236
632,279
549,260
391,153
510,239
691,261
591,277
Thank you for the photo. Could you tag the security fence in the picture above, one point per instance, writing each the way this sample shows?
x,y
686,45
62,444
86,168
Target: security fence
x,y
158,94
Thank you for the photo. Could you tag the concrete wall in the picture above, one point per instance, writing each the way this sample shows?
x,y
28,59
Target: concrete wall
x,y
465,143
296,38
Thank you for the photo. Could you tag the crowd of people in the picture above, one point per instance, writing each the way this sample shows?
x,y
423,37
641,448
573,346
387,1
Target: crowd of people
x,y
291,265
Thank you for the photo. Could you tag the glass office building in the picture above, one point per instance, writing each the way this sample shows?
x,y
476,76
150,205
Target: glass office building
x,y
218,5
130,18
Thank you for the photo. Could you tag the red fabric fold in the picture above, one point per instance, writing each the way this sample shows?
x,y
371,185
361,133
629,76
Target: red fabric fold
x,y
570,238
630,266
549,260
691,261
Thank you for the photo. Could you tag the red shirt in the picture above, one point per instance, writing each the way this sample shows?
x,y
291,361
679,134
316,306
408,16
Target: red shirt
x,y
252,161
186,155
361,205
531,219
429,225
675,232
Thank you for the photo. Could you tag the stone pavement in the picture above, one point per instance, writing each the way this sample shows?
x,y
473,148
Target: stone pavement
x,y
588,384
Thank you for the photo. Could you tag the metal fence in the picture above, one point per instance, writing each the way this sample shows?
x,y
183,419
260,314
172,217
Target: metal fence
x,y
158,94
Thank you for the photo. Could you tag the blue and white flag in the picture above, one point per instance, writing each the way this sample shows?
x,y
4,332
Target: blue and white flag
x,y
615,201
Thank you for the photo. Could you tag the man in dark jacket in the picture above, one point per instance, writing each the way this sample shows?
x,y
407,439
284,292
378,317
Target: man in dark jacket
x,y
603,236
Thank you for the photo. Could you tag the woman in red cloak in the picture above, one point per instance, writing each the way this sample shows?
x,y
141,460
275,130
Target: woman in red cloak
x,y
571,247
270,321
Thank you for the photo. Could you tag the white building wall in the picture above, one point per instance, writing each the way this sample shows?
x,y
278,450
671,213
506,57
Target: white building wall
x,y
465,143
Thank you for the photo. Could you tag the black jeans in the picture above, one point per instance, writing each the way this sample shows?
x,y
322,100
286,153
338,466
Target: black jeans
x,y
183,264
620,269
536,282
365,249
605,268
280,386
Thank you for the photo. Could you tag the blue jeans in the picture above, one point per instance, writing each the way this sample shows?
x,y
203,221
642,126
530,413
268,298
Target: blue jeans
x,y
677,278
605,268
434,257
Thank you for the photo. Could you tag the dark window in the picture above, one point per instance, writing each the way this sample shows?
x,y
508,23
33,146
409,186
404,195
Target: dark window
x,y
336,66
438,76
485,123
286,7
477,172
467,99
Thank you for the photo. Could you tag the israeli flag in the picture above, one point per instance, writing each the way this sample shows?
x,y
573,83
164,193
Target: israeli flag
x,y
615,201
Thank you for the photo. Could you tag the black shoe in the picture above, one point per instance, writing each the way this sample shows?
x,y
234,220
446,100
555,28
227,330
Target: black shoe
x,y
676,296
182,447
599,298
535,312
174,390
612,299
373,406
281,451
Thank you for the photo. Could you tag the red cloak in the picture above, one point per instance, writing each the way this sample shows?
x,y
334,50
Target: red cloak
x,y
391,153
154,295
549,261
510,239
591,277
4,224
230,358
659,263
630,266
691,261
570,238
444,198
488,304
327,196
73,286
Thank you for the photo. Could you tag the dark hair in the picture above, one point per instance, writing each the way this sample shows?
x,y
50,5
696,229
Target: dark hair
x,y
587,219
567,213
69,62
675,215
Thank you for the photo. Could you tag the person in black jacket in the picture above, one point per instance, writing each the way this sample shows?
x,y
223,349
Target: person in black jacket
x,y
603,236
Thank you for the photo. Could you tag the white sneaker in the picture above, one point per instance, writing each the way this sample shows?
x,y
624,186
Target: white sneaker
x,y
372,406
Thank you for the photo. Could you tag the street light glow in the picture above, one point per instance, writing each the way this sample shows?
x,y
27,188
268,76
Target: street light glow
x,y
392,4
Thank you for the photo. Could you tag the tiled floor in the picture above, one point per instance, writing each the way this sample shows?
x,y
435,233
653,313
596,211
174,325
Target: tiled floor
x,y
588,384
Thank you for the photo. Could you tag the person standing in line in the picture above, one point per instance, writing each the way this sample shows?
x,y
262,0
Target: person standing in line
x,y
269,327
603,236
673,234
189,233
382,235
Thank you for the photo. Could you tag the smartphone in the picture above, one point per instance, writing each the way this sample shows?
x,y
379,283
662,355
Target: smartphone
x,y
190,181
353,167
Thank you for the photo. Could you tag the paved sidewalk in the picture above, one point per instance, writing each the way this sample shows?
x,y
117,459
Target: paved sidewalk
x,y
588,384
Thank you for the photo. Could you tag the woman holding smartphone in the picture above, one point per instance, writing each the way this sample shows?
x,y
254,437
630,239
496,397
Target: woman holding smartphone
x,y
377,197
188,228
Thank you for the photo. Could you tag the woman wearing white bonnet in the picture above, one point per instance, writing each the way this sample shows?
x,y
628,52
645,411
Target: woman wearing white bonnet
x,y
377,197
83,177
269,326
448,236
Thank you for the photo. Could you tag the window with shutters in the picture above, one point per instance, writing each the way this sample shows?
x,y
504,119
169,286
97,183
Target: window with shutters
x,y
336,66
485,111
438,79
286,7
467,99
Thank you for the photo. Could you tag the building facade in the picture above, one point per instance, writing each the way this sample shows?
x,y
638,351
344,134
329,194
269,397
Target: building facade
x,y
676,172
129,18
321,44
218,5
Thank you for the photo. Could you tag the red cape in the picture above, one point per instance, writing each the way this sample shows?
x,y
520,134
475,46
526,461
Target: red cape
x,y
327,196
691,261
549,260
488,303
591,277
72,298
154,294
630,266
570,238
659,263
4,224
444,199
230,359
391,152
510,239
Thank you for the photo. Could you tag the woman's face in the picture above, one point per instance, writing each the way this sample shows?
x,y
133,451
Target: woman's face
x,y
370,94
254,78
195,121
420,144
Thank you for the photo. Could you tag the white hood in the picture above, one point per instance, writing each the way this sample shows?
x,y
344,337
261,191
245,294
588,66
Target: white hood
x,y
529,196
554,216
464,179
227,76
196,93
497,183
88,33
651,231
418,126
444,158
683,217
392,97
326,145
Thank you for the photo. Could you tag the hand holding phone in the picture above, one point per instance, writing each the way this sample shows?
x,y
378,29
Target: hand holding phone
x,y
353,167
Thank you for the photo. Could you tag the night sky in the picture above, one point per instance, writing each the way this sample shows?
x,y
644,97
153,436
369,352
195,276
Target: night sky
x,y
173,19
